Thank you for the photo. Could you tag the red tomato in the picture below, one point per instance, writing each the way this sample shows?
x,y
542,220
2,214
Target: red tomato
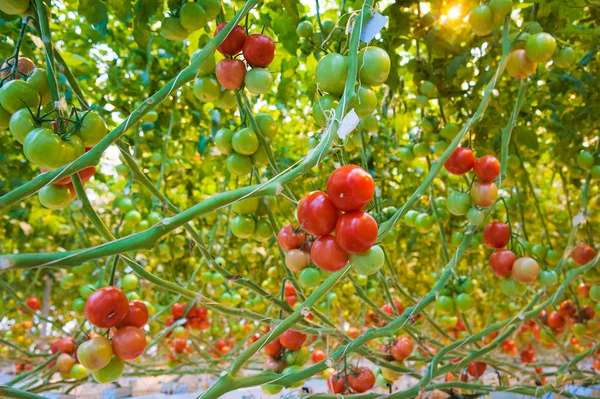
x,y
501,262
273,348
583,290
596,363
259,50
350,188
289,238
128,343
169,321
85,174
292,339
328,255
137,315
33,303
230,73
353,332
484,194
402,349
177,310
289,289
291,299
202,313
496,235
106,307
486,168
556,320
204,325
234,42
586,313
361,380
179,345
317,214
356,232
460,162
318,355
389,310
583,254
567,309
476,369
63,345
336,382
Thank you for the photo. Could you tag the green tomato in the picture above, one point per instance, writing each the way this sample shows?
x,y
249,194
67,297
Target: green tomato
x,y
150,117
366,101
595,171
424,223
481,20
132,218
328,27
369,124
368,262
304,29
331,73
129,282
14,7
421,150
86,290
192,16
239,164
427,89
464,302
111,372
245,142
79,305
449,131
540,251
512,287
290,370
595,293
444,304
4,118
260,157
264,231
227,99
21,123
258,80
553,257
410,217
217,278
211,7
323,108
458,203
271,389
565,57
266,125
245,206
223,140
440,147
78,372
206,89
298,357
457,238
374,66
585,160
92,129
406,155
422,101
49,151
309,277
39,80
475,216
18,94
579,329
500,8
540,47
242,226
54,196
172,29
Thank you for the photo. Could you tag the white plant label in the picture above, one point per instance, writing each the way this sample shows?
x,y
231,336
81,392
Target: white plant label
x,y
348,124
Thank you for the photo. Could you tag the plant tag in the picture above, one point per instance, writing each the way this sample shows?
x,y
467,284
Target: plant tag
x,y
348,124
373,27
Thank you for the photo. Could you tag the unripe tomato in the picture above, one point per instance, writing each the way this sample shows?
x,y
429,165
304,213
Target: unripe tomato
x,y
458,203
231,73
564,57
481,20
258,81
368,262
234,42
373,66
540,47
331,73
525,270
296,260
259,50
245,141
484,194
519,66
14,7
192,16
172,29
111,372
92,129
238,164
500,8
322,109
95,353
206,89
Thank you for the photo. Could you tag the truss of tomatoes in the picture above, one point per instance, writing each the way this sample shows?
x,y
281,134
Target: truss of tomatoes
x,y
344,232
258,51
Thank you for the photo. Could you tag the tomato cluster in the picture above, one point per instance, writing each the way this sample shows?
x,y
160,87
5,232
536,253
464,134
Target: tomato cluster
x,y
188,17
109,308
244,149
67,363
348,381
455,297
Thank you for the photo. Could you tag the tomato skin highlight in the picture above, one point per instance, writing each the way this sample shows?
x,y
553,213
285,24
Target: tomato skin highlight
x,y
356,232
460,162
234,42
496,235
259,50
328,255
106,307
350,188
231,73
317,214
487,168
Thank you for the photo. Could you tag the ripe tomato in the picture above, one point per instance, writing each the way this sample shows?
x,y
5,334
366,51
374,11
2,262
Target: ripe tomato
x,y
583,254
374,66
460,162
234,42
289,289
289,238
501,262
476,369
296,260
402,349
567,309
496,235
179,345
63,345
525,270
230,73
128,343
106,307
519,66
177,310
48,150
85,174
273,348
361,380
336,382
331,73
317,214
24,68
484,194
556,321
95,353
137,315
292,340
389,310
350,188
356,232
33,303
486,168
327,254
318,355
259,50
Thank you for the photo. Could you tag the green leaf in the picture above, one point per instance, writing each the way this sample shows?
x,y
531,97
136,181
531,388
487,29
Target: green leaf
x,y
96,14
121,8
291,6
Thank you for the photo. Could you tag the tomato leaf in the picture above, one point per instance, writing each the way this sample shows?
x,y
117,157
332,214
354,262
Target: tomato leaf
x,y
96,14
291,6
